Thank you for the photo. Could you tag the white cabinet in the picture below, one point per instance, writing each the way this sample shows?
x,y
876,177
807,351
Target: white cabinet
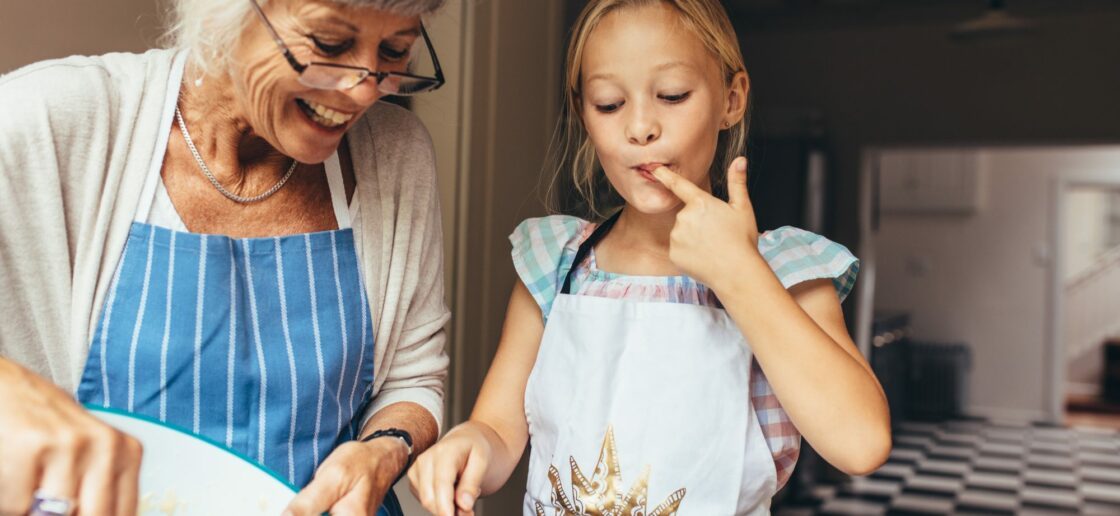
x,y
930,181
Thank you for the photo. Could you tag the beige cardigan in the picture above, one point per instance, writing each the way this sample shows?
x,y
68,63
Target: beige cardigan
x,y
76,142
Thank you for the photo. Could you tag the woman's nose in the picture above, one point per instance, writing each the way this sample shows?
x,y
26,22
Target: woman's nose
x,y
365,93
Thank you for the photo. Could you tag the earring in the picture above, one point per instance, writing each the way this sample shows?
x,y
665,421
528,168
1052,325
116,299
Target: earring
x,y
198,81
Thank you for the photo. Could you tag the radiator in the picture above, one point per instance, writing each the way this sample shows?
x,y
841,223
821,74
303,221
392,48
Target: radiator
x,y
938,386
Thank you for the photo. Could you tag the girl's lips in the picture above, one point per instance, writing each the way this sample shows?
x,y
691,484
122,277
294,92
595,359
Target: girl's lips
x,y
650,167
646,170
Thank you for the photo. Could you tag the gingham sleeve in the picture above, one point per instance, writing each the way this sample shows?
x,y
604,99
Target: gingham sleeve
x,y
782,438
797,256
543,251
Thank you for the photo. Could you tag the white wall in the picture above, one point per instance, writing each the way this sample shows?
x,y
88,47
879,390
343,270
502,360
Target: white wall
x,y
982,279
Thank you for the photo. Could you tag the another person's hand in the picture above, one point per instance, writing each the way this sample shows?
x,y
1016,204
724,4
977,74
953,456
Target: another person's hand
x,y
54,448
447,478
711,238
353,480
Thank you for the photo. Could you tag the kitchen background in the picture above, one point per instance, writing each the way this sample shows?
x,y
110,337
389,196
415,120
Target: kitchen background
x,y
968,151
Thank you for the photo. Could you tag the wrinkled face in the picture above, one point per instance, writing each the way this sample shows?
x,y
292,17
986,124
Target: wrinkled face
x,y
302,122
651,94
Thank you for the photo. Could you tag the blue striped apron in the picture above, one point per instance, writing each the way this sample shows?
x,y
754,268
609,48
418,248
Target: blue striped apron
x,y
263,344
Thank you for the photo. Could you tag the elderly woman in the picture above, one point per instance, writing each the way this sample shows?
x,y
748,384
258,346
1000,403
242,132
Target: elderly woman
x,y
233,236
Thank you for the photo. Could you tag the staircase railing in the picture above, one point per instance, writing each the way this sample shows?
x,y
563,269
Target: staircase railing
x,y
1092,305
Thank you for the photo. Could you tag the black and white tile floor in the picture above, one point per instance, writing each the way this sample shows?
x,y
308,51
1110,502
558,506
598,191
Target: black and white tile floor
x,y
975,467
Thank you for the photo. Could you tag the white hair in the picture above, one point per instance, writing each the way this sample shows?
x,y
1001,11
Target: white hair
x,y
209,29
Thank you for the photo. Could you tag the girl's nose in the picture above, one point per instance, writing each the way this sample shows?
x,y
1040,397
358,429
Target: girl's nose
x,y
642,128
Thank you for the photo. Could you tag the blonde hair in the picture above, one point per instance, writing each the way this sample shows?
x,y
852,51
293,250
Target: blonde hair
x,y
572,156
210,29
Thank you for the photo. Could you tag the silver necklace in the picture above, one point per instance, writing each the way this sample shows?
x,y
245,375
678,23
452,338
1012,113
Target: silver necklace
x,y
214,181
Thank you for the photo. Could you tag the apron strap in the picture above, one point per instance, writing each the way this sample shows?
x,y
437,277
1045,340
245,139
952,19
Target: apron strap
x,y
338,191
585,248
152,180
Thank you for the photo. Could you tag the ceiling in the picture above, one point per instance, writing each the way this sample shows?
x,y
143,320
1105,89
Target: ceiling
x,y
832,13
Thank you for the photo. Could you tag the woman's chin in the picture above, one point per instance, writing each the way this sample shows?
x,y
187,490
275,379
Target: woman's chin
x,y
309,152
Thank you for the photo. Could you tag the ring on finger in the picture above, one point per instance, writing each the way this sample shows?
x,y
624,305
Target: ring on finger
x,y
44,505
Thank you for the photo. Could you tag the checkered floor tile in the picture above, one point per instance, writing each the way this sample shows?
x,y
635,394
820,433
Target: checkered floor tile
x,y
975,467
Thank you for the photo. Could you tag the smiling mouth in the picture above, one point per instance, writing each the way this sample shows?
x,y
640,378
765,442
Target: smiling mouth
x,y
323,115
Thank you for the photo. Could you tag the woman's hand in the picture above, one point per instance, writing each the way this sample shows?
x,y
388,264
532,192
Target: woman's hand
x,y
54,447
353,480
447,479
711,238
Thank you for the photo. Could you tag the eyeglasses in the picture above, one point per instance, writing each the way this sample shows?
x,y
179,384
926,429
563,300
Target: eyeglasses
x,y
331,76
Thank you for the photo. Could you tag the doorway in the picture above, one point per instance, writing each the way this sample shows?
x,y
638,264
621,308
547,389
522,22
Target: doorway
x,y
1086,298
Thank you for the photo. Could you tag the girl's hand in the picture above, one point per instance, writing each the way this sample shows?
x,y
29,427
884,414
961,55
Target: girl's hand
x,y
53,446
447,478
712,239
353,480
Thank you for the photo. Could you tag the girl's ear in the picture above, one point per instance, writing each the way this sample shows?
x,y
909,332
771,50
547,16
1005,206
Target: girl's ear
x,y
738,92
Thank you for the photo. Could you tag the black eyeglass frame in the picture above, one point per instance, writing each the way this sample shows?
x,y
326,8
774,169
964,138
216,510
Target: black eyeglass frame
x,y
299,67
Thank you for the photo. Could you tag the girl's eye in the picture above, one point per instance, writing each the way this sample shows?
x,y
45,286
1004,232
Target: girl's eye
x,y
608,108
331,49
675,99
392,54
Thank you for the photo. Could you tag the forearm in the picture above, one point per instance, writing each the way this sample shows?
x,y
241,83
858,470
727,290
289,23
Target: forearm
x,y
829,393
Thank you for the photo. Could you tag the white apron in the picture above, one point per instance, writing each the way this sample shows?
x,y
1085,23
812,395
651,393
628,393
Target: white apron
x,y
643,408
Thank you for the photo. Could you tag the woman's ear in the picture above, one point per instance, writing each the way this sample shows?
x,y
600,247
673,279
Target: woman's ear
x,y
738,91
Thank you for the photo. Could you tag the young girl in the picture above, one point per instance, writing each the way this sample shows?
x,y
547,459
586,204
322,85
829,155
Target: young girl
x,y
634,350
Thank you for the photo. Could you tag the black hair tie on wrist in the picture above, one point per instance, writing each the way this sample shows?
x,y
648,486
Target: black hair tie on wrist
x,y
399,434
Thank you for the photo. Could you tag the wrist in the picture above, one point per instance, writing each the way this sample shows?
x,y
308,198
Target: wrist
x,y
393,456
482,438
393,448
742,276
